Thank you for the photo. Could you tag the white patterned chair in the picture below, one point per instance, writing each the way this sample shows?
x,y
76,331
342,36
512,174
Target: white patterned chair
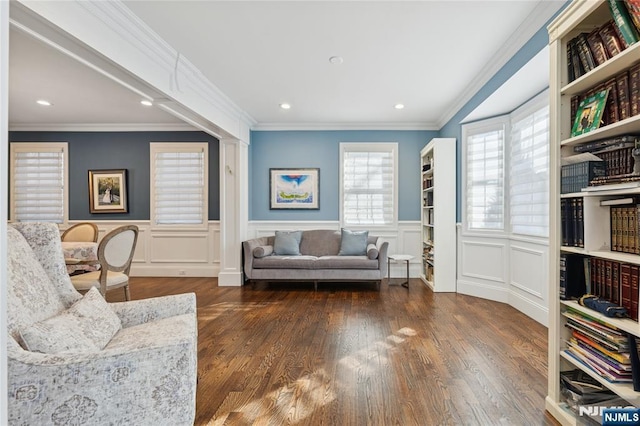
x,y
146,373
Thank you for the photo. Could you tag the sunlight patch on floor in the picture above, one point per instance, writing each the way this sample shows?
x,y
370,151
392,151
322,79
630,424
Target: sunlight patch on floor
x,y
295,401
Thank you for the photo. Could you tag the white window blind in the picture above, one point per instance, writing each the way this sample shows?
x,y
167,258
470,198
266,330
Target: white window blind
x,y
369,188
179,183
38,183
529,172
485,178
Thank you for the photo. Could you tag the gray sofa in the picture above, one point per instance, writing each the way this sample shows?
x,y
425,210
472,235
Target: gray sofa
x,y
319,260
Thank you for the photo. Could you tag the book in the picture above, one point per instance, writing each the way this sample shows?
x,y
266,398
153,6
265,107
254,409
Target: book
x,y
610,39
635,278
584,53
634,89
589,115
624,26
611,114
625,286
633,7
601,145
598,49
622,83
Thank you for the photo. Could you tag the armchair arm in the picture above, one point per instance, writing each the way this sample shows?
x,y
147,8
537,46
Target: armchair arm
x,y
137,312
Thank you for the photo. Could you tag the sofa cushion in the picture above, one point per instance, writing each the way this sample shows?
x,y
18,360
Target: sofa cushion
x,y
287,243
353,243
262,251
372,251
284,262
87,326
320,242
345,262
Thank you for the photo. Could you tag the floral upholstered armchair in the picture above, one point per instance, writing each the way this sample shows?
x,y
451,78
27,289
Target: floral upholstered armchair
x,y
75,359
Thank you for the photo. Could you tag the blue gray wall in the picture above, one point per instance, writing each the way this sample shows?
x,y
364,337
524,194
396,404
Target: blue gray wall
x,y
121,150
453,129
295,149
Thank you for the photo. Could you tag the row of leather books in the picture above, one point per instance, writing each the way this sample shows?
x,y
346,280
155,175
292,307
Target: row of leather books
x,y
617,282
623,99
591,49
572,221
625,235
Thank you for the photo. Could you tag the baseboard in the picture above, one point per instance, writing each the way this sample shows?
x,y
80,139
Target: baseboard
x,y
483,291
173,271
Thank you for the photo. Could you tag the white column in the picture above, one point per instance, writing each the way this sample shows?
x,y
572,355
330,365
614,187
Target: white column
x,y
234,211
4,150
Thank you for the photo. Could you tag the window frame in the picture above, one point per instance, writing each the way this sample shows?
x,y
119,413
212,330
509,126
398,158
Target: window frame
x,y
15,147
172,147
492,124
370,147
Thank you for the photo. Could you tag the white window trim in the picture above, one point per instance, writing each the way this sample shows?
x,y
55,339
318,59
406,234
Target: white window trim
x,y
474,128
15,147
481,125
179,147
370,147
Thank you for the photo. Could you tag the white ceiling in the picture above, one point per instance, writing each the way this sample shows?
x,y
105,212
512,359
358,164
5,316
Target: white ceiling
x,y
430,56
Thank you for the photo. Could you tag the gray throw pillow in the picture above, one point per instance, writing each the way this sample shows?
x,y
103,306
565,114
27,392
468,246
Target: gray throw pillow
x,y
353,243
372,251
287,243
262,251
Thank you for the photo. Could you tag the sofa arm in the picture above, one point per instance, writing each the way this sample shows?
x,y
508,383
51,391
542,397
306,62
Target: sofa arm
x,y
383,248
248,247
137,312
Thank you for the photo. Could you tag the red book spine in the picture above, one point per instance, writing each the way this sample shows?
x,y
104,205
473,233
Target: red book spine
x,y
615,283
635,280
625,286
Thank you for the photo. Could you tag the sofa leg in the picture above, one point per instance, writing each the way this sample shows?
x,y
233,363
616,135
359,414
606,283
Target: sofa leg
x,y
315,286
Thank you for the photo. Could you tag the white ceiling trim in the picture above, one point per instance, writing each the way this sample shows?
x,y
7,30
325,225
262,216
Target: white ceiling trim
x,y
542,13
101,127
343,126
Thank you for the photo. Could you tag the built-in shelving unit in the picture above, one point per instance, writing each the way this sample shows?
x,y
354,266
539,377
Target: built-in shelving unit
x,y
579,17
438,211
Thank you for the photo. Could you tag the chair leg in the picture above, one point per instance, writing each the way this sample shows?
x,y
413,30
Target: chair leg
x,y
127,296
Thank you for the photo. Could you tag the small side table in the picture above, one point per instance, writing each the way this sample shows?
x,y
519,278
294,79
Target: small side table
x,y
398,258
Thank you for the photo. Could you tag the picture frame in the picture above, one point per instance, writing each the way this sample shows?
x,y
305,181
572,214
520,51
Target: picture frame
x,y
589,114
291,189
108,191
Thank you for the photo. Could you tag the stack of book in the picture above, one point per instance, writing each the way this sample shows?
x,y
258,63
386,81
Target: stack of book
x,y
588,50
618,162
616,282
625,237
600,347
576,176
572,221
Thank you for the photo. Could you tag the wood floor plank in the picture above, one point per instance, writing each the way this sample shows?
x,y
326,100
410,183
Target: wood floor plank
x,y
348,354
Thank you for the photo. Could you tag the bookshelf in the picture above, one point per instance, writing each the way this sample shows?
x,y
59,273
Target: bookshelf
x,y
438,214
582,17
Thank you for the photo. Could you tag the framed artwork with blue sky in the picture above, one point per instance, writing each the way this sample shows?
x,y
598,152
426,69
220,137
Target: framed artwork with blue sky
x,y
294,188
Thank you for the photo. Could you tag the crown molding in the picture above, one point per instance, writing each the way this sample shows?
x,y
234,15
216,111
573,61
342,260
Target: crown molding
x,y
344,126
542,13
100,127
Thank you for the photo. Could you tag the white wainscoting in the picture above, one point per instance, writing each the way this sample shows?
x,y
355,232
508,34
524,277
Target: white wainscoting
x,y
172,251
405,239
506,270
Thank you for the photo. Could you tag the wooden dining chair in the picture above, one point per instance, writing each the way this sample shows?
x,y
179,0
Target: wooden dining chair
x,y
84,231
115,253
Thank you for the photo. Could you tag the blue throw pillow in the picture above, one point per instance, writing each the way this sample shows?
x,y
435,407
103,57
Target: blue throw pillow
x,y
287,243
353,243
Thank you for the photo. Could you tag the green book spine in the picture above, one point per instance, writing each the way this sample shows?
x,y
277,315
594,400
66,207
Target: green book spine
x,y
623,21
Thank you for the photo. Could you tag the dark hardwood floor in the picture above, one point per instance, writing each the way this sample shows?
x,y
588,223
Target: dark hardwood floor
x,y
349,354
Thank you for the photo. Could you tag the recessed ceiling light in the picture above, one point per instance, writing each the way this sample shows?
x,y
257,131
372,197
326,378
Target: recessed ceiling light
x,y
336,60
285,106
43,102
146,102
398,106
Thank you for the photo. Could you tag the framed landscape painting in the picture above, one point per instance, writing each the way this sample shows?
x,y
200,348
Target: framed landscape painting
x,y
294,188
108,191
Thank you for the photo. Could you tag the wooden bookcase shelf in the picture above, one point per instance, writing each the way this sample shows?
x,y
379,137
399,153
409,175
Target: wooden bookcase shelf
x,y
438,214
581,17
